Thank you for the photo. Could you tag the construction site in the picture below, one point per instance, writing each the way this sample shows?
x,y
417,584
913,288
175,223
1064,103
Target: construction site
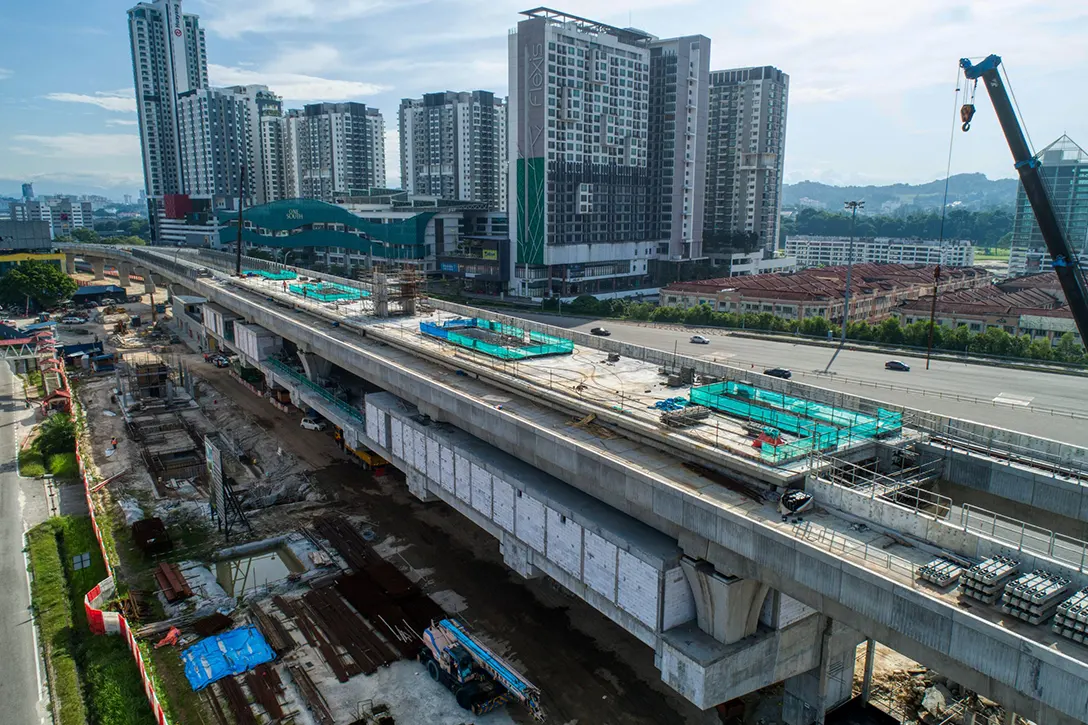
x,y
283,494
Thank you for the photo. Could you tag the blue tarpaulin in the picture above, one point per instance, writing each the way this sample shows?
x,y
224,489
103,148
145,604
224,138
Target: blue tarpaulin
x,y
230,653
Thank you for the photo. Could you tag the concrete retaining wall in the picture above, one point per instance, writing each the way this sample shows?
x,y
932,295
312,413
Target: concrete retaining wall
x,y
1012,481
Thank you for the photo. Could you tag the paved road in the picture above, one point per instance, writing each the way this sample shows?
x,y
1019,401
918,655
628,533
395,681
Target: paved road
x,y
863,373
22,503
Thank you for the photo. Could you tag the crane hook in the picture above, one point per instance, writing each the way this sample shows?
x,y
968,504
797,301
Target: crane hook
x,y
967,112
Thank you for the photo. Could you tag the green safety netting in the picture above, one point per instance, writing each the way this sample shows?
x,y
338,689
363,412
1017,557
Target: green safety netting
x,y
536,344
807,420
328,291
284,274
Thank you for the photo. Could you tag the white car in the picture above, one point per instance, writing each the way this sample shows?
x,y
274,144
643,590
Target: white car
x,y
73,321
314,424
700,340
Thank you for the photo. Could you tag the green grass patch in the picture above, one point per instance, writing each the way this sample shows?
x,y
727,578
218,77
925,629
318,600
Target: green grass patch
x,y
31,464
63,465
34,380
114,690
52,606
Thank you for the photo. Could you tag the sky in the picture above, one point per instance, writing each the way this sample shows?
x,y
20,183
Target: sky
x,y
872,85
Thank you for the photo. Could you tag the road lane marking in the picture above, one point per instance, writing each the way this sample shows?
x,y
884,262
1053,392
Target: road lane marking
x,y
1005,399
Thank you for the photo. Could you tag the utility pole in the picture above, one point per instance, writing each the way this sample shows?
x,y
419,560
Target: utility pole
x,y
241,203
853,206
933,312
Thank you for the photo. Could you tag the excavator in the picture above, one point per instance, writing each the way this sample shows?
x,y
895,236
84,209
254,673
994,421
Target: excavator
x,y
1062,254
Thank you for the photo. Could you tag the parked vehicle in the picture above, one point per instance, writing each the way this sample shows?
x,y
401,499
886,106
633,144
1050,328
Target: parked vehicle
x,y
778,373
897,365
700,340
72,320
221,362
600,332
314,424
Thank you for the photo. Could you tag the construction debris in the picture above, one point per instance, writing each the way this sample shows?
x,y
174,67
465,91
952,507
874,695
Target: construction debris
x,y
172,582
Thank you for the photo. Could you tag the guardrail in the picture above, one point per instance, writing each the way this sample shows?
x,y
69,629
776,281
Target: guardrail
x,y
835,542
325,395
1025,537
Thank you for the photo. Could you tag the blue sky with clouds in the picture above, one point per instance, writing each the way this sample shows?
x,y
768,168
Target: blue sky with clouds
x,y
872,84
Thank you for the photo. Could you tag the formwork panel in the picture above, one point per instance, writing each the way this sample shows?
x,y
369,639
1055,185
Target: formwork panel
x,y
565,543
462,473
530,521
637,593
600,565
396,438
502,503
445,457
481,490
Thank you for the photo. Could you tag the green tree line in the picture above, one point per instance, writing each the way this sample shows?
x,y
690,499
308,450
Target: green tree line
x,y
991,228
90,236
994,341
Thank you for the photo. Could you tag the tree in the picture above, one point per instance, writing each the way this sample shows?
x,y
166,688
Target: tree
x,y
86,236
42,282
1068,349
58,435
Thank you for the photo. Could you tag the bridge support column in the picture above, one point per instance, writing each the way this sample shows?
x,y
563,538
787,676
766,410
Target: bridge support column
x,y
810,695
149,282
70,263
317,368
124,272
726,607
98,266
867,682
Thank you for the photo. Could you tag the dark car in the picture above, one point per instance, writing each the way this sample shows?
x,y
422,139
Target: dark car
x,y
600,331
897,365
778,373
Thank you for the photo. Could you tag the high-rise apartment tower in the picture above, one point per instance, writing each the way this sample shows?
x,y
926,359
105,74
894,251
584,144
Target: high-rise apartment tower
x,y
453,145
168,59
586,206
746,143
333,149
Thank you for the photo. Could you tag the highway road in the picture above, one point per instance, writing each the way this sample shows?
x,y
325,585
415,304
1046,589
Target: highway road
x,y
1030,402
22,504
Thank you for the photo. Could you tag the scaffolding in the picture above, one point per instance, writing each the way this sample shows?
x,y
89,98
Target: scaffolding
x,y
328,291
496,339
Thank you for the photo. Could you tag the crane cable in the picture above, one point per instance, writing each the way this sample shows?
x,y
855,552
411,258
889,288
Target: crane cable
x,y
1020,116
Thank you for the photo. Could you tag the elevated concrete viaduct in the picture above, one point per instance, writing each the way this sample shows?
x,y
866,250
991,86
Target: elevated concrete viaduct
x,y
769,600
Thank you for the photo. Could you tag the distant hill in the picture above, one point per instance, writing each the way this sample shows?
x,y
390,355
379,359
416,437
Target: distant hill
x,y
971,191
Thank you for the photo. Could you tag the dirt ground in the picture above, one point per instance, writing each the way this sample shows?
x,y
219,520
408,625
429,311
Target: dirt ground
x,y
589,669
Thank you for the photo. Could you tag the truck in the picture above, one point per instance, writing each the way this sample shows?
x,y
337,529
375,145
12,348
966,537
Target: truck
x,y
479,679
362,455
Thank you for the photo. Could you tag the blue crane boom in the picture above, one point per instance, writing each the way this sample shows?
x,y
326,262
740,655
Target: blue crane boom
x,y
1063,256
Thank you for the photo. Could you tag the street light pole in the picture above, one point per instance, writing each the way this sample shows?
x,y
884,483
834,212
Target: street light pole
x,y
853,206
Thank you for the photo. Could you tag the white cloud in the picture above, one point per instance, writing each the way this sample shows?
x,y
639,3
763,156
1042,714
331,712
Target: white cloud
x,y
294,87
6,73
105,160
73,146
231,18
122,122
123,101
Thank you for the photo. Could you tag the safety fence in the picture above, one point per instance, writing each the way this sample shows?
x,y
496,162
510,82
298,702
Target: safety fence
x,y
283,274
299,379
885,422
533,344
812,436
328,291
102,621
